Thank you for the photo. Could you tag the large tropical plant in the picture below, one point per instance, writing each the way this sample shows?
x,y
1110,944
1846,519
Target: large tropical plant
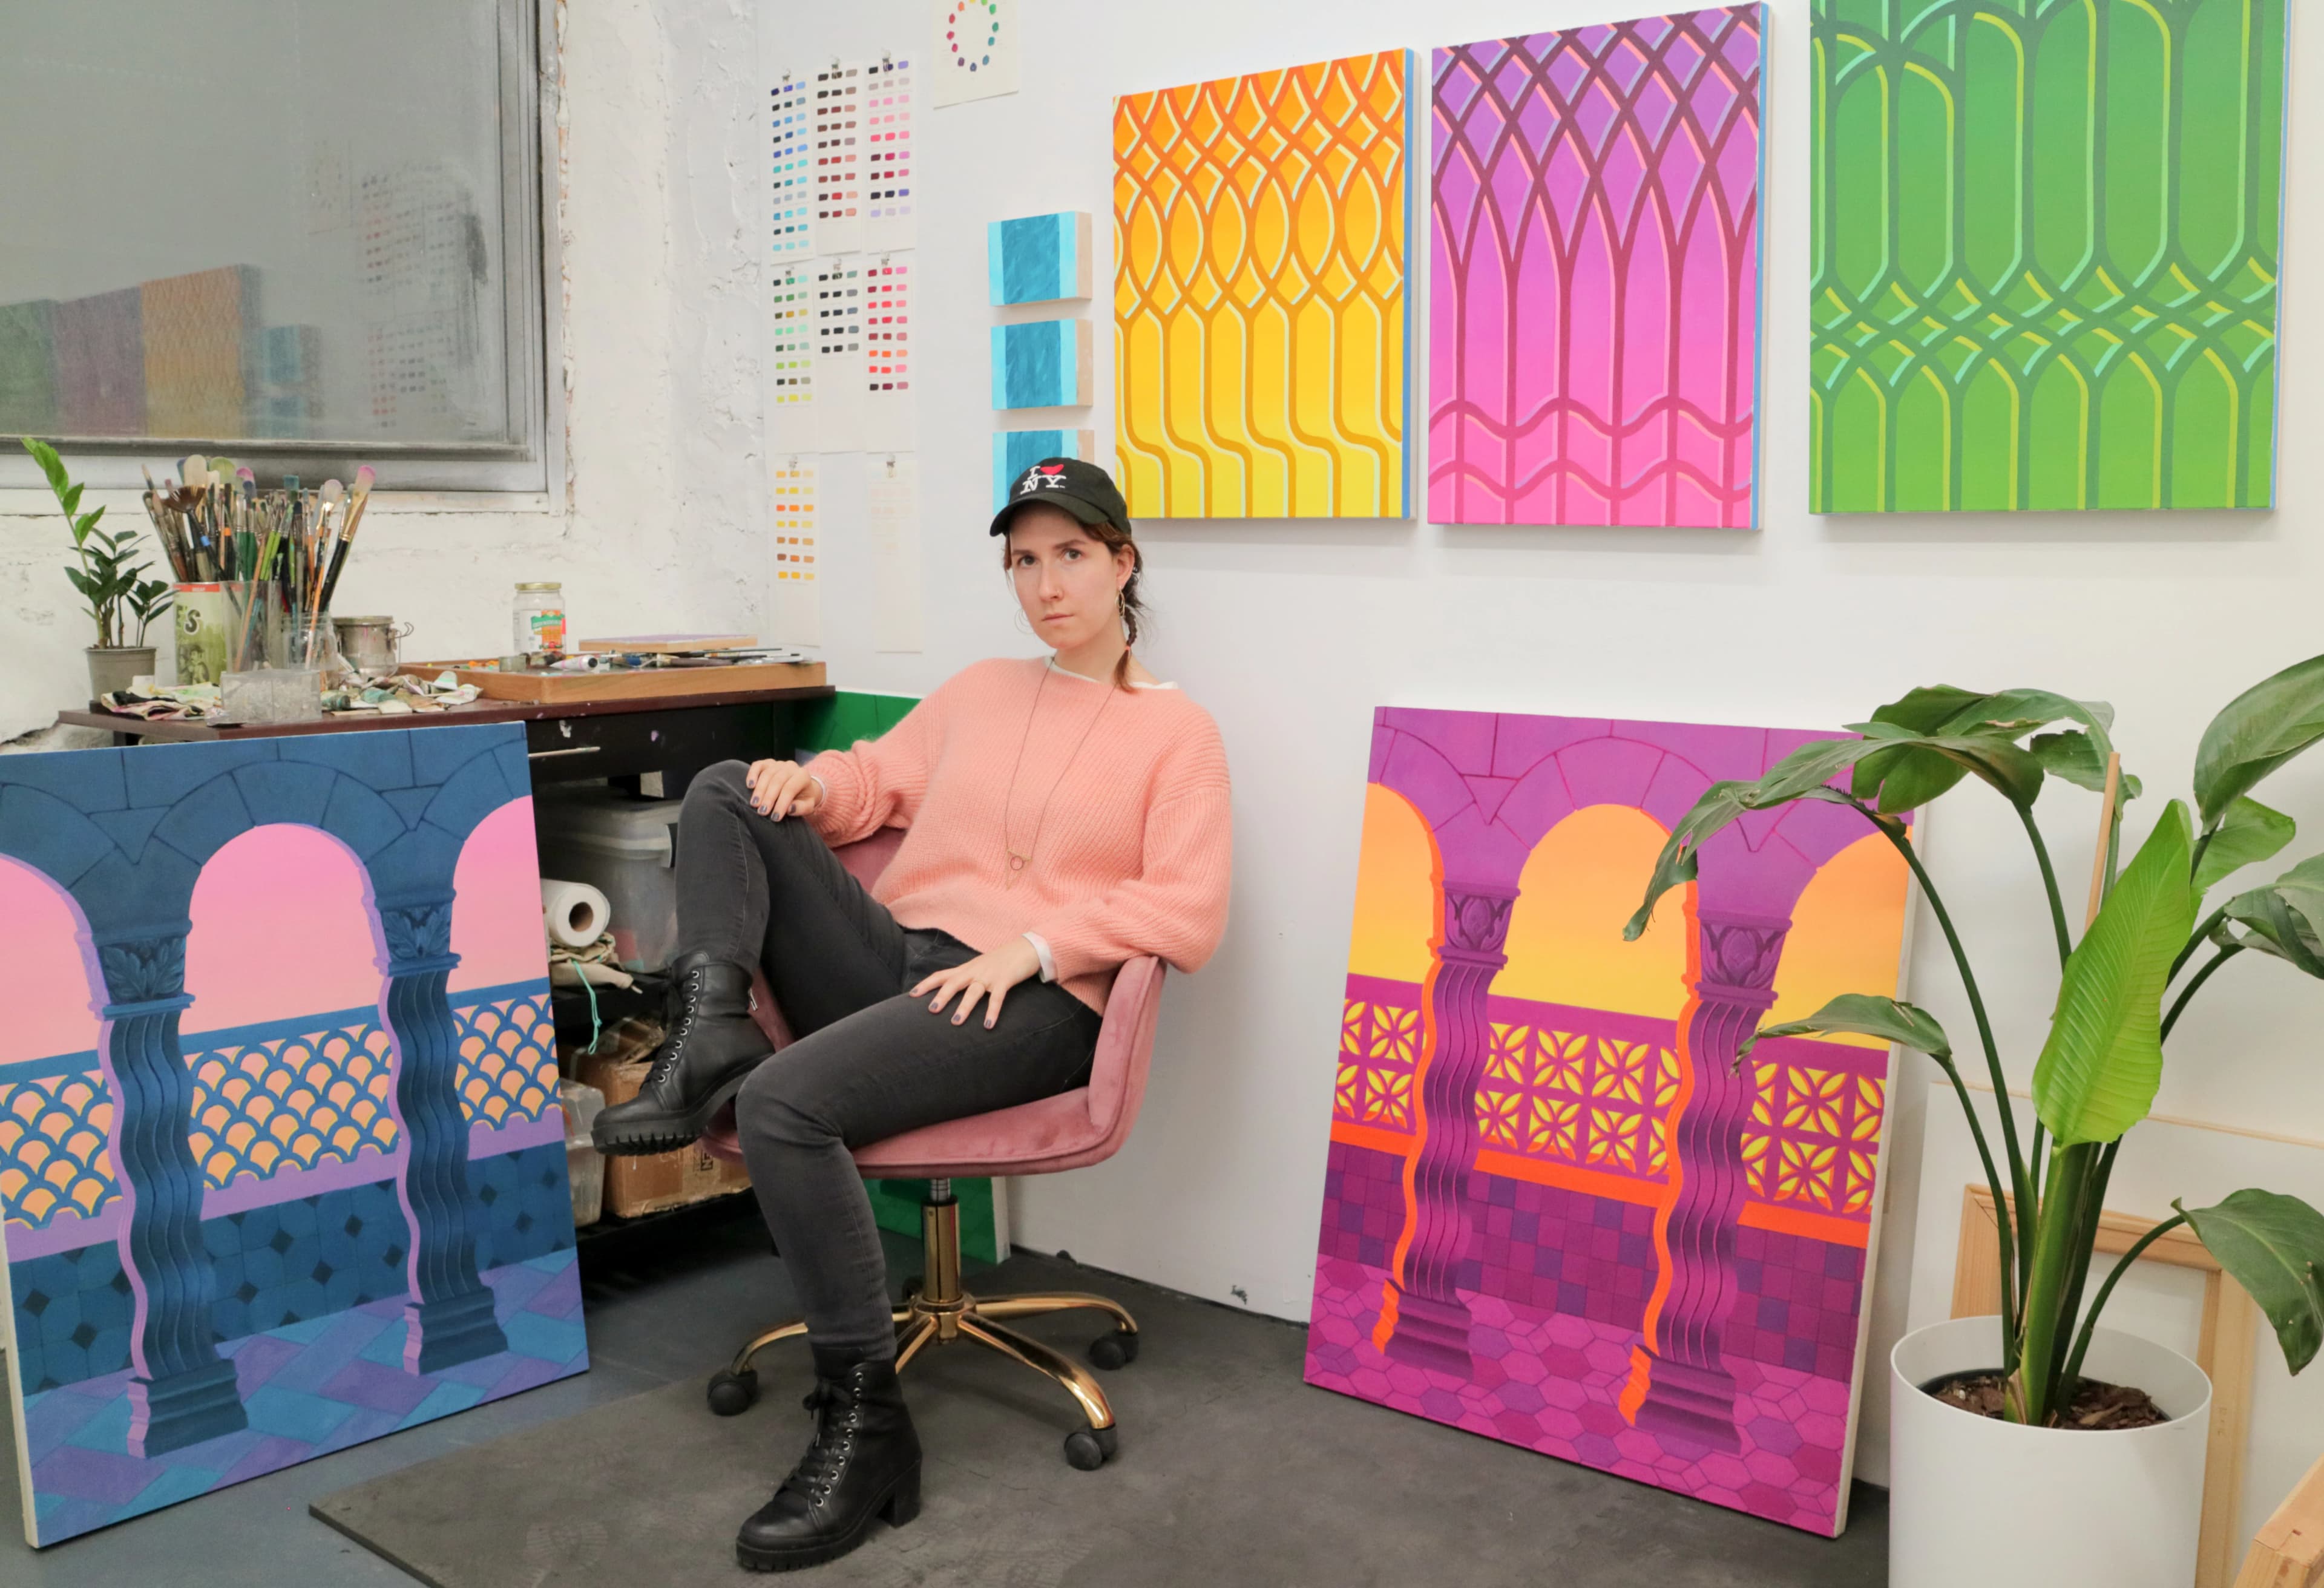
x,y
2122,988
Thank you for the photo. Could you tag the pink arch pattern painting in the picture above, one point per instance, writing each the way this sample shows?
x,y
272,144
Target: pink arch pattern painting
x,y
1594,298
1588,1229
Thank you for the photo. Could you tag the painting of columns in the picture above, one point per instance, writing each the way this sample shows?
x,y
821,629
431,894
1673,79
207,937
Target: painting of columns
x,y
282,1163
1557,1211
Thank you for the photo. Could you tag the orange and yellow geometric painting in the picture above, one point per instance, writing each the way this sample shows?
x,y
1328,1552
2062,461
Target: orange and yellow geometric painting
x,y
1557,1212
1259,293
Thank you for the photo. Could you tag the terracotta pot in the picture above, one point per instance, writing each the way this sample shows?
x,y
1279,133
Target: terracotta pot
x,y
1972,1500
113,667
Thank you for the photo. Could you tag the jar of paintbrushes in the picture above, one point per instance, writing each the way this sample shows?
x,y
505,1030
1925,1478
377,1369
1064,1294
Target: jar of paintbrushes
x,y
277,555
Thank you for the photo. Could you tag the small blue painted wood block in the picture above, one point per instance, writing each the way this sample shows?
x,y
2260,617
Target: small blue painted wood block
x,y
1015,451
1041,363
1038,258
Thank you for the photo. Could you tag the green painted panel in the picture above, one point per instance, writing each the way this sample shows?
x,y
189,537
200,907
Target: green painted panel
x,y
2045,242
847,716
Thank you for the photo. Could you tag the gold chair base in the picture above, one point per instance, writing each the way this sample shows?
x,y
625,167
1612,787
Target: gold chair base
x,y
941,1313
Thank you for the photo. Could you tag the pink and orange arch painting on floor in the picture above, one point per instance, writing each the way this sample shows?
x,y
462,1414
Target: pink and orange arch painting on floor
x,y
1557,1212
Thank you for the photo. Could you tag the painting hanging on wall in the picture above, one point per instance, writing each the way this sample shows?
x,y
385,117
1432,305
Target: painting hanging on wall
x,y
1594,292
1259,293
2045,247
1038,258
1041,363
1015,451
1557,1213
281,1161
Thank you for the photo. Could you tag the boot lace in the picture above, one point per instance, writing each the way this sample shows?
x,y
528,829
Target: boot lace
x,y
828,1455
673,1047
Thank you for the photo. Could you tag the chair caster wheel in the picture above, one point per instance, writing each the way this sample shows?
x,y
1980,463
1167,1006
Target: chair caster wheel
x,y
731,1394
1117,1350
1088,1448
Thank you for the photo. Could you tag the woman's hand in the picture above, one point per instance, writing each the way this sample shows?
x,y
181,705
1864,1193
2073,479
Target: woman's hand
x,y
987,976
783,788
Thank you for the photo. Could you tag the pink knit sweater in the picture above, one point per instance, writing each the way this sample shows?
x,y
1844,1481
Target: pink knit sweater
x,y
1132,858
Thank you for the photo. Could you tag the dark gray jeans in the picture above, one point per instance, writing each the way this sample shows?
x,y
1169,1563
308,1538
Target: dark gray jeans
x,y
869,1062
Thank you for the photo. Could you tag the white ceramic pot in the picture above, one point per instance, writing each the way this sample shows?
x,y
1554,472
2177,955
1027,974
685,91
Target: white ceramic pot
x,y
1973,1500
116,667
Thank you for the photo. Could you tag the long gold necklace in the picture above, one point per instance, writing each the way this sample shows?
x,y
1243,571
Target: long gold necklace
x,y
1017,862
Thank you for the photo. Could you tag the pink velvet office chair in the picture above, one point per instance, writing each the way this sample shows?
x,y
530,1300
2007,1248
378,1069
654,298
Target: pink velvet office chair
x,y
1085,1126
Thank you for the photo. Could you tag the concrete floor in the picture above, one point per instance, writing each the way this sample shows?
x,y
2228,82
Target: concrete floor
x,y
669,1307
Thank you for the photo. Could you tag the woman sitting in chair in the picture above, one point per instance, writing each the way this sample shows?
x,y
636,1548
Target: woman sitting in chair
x,y
1064,815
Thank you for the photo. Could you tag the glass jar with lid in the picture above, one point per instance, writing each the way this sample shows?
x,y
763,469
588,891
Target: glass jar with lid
x,y
539,617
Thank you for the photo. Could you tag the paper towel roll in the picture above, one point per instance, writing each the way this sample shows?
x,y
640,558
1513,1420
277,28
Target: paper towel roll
x,y
575,914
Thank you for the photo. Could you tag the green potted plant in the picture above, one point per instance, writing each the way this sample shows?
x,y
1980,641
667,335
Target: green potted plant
x,y
2022,1492
109,580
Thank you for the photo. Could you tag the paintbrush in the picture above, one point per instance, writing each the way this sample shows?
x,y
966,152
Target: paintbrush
x,y
165,529
245,547
356,505
318,596
194,471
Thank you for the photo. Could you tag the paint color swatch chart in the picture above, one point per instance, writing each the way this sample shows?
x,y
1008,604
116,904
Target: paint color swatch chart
x,y
839,360
976,50
792,181
889,405
838,113
888,220
798,599
789,360
892,507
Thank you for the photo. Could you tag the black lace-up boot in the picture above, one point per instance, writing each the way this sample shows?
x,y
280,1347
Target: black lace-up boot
x,y
711,1047
864,1463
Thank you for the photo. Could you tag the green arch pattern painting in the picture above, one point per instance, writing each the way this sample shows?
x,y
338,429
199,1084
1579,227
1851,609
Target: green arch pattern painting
x,y
2045,237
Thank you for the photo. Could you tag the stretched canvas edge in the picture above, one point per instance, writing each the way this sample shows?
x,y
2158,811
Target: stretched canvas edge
x,y
16,1411
1408,446
1759,393
2282,232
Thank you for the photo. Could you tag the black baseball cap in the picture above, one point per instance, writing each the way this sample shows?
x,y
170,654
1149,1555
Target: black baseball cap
x,y
1082,489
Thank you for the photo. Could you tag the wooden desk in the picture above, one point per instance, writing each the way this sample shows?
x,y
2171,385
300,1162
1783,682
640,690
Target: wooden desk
x,y
567,740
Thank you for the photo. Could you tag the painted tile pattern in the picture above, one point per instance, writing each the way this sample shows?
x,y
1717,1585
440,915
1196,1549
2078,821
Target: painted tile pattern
x,y
311,1387
1553,1382
279,1096
1592,1088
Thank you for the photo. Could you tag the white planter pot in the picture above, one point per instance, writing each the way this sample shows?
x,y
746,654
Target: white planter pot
x,y
1974,1501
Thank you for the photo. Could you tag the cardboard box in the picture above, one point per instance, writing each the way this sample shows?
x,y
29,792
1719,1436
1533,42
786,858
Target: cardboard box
x,y
637,1185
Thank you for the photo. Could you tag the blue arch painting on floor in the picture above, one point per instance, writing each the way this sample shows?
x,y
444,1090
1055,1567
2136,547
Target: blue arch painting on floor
x,y
184,1314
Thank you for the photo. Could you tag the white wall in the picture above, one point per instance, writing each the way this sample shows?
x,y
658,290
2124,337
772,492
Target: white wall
x,y
656,526
1292,633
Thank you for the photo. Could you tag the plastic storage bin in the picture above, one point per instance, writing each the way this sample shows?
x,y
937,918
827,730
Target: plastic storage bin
x,y
624,848
584,1164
